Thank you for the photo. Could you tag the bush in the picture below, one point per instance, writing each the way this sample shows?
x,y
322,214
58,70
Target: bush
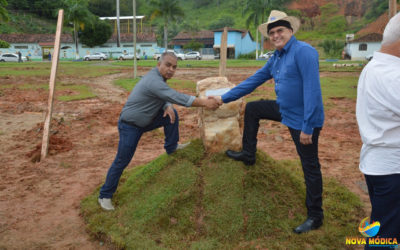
x,y
4,44
194,45
332,48
251,55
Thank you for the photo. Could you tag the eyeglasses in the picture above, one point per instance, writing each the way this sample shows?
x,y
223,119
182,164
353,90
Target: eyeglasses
x,y
277,31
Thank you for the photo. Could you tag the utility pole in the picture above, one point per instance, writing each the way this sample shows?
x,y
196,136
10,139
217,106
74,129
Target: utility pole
x,y
392,8
118,30
134,40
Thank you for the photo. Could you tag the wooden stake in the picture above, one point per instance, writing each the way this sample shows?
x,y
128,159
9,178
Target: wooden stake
x,y
223,52
53,74
392,8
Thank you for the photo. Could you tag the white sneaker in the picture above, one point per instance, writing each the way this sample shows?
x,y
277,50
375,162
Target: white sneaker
x,y
182,146
105,203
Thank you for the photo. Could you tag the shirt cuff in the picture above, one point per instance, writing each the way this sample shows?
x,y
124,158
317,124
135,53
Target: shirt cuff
x,y
166,105
307,129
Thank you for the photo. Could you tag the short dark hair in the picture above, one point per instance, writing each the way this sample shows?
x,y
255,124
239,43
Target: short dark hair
x,y
166,54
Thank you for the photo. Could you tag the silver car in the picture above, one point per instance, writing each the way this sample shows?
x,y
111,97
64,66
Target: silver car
x,y
10,57
128,57
96,56
193,55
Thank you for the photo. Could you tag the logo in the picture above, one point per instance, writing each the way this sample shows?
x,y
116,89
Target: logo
x,y
272,18
367,229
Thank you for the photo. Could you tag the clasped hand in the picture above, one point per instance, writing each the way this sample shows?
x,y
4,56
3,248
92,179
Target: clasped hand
x,y
213,102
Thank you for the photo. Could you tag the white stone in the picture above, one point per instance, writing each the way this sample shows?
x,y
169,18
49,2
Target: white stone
x,y
219,129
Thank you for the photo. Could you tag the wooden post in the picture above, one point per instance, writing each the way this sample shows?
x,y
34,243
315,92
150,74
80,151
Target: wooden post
x,y
392,8
134,40
223,52
53,74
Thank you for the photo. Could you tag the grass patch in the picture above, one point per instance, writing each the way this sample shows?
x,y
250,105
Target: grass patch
x,y
193,200
127,83
79,92
339,87
81,69
197,64
182,84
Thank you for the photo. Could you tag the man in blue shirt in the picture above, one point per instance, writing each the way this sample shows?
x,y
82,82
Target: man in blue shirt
x,y
295,69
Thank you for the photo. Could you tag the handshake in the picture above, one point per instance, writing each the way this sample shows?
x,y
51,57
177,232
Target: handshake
x,y
212,102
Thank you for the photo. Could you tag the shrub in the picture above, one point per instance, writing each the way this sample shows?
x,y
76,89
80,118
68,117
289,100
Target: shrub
x,y
4,44
332,48
251,55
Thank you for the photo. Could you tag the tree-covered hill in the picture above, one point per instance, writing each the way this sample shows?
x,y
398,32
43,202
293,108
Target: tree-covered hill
x,y
320,20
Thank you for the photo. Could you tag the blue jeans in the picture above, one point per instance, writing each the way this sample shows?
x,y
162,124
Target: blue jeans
x,y
269,110
129,137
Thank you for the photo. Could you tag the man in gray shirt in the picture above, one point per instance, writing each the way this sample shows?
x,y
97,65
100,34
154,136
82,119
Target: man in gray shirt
x,y
149,106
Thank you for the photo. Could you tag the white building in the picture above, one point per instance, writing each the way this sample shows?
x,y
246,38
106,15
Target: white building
x,y
363,46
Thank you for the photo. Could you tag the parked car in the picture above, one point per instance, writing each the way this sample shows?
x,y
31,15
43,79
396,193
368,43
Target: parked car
x,y
267,55
195,55
96,56
10,57
128,57
180,56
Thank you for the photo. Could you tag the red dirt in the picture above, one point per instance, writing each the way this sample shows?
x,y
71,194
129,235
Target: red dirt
x,y
40,201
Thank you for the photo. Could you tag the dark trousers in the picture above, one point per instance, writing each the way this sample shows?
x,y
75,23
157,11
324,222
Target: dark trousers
x,y
268,109
129,136
384,194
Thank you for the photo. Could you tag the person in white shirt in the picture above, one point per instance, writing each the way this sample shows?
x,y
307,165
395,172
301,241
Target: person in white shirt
x,y
378,118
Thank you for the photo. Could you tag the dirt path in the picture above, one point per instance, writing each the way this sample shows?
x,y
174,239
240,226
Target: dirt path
x,y
39,201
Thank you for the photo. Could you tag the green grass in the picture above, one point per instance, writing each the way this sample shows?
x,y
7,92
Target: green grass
x,y
196,64
339,87
75,91
127,83
81,69
80,92
193,200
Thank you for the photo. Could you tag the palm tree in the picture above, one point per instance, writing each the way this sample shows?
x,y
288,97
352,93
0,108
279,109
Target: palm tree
x,y
76,12
3,12
168,10
257,10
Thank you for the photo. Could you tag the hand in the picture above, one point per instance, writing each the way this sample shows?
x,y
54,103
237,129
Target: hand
x,y
305,139
170,112
218,99
211,103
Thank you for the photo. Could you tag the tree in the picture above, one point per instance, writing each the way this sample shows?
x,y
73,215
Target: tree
x,y
257,12
96,33
168,10
194,45
77,12
3,12
224,21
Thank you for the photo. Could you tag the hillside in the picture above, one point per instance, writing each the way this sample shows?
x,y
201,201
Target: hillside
x,y
320,18
194,200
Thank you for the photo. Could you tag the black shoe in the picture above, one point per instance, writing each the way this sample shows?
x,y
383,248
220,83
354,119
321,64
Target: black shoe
x,y
245,157
308,225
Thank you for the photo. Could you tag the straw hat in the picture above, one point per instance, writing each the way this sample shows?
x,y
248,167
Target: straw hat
x,y
275,16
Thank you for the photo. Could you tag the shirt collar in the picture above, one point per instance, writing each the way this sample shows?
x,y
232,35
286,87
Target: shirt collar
x,y
386,57
287,46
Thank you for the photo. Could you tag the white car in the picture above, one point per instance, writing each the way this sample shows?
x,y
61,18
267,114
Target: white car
x,y
180,56
267,55
195,55
128,57
10,57
96,56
